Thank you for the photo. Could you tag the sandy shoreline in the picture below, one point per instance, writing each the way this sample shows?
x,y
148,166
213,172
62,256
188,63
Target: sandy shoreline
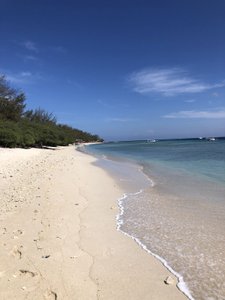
x,y
59,237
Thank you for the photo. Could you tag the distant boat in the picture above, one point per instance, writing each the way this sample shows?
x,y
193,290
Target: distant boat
x,y
151,141
211,139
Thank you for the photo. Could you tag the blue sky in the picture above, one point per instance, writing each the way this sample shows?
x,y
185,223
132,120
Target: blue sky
x,y
120,69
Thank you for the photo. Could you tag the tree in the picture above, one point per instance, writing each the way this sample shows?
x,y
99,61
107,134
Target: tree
x,y
12,103
40,116
32,128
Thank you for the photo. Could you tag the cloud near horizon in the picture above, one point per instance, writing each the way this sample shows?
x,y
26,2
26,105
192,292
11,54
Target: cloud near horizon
x,y
168,82
193,114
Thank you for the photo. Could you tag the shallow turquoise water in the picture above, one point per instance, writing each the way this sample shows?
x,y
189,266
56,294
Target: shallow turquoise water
x,y
196,156
181,217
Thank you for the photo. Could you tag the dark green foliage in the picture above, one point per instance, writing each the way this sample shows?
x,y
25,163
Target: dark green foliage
x,y
32,128
9,135
12,103
40,116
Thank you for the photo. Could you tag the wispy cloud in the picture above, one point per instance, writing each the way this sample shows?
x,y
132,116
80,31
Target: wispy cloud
x,y
24,77
168,82
28,58
194,114
21,77
31,46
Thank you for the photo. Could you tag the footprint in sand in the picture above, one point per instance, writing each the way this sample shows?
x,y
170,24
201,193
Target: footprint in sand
x,y
27,272
17,252
50,295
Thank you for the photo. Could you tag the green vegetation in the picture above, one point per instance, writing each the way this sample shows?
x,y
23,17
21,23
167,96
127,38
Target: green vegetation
x,y
32,128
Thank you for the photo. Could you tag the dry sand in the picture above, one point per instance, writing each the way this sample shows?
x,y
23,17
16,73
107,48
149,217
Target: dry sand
x,y
59,237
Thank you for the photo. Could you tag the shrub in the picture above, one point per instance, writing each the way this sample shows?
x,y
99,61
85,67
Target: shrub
x,y
9,137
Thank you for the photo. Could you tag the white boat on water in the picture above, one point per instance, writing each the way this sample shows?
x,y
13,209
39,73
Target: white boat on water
x,y
151,141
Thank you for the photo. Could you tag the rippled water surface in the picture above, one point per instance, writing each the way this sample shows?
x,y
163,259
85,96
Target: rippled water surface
x,y
180,213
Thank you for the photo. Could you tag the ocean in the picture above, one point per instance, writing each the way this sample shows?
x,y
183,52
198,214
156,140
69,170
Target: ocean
x,y
174,206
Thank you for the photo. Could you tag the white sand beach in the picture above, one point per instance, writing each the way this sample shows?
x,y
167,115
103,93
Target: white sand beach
x,y
58,233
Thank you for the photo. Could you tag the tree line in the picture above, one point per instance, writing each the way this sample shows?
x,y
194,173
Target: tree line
x,y
32,128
